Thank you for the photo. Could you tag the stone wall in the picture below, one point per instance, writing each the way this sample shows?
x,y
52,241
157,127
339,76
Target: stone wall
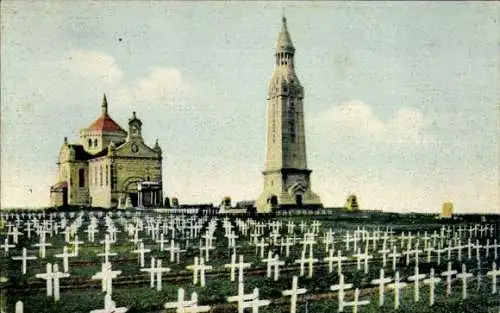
x,y
78,195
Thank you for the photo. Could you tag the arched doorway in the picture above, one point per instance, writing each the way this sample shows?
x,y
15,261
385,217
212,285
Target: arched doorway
x,y
129,190
298,200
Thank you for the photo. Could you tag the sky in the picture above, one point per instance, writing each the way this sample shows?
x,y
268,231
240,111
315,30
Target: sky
x,y
401,99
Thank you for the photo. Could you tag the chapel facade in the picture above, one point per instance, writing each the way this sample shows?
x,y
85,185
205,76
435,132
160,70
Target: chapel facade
x,y
109,167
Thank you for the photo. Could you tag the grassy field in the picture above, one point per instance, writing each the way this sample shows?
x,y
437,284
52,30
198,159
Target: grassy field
x,y
81,294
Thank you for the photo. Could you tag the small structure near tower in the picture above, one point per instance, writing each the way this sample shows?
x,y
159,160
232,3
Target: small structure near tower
x,y
351,203
447,210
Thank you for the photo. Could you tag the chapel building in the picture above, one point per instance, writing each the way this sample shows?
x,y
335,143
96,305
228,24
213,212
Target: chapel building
x,y
109,167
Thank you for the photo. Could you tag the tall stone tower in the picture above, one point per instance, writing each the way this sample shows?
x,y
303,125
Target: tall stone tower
x,y
286,177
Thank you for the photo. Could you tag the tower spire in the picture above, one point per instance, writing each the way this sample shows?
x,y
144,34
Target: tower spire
x,y
104,105
284,44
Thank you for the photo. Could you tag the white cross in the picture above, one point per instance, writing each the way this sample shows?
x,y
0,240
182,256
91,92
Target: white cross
x,y
478,247
6,245
76,243
449,273
429,250
107,253
240,265
232,266
241,297
151,272
293,293
274,236
302,261
41,246
141,251
416,278
287,243
397,286
110,306
381,281
439,251
355,303
91,230
315,226
106,276
276,262
431,281
206,248
409,252
48,278
24,258
384,252
195,268
463,276
56,275
394,255
159,270
65,256
363,256
172,249
261,245
494,273
330,259
199,268
255,302
341,287
15,235
162,242
186,306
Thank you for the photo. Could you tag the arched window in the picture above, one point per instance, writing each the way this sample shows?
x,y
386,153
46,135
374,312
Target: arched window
x,y
95,142
100,175
106,173
90,143
95,175
81,178
111,170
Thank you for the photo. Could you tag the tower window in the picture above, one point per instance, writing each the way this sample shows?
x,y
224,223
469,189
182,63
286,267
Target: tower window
x,y
90,143
95,142
81,178
106,173
100,175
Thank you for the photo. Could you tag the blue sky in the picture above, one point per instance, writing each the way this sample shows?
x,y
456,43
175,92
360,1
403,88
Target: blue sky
x,y
401,99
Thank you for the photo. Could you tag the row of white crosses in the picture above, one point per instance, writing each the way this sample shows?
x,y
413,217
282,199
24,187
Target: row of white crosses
x,y
308,243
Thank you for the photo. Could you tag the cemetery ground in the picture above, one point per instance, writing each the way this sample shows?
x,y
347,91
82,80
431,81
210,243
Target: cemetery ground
x,y
108,255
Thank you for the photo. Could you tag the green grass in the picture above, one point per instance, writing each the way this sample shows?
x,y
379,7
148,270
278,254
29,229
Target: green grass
x,y
139,297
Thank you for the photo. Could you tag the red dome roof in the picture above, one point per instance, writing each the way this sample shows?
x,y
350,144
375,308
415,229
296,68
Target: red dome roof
x,y
105,123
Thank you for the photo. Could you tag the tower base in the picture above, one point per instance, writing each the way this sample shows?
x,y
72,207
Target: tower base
x,y
269,201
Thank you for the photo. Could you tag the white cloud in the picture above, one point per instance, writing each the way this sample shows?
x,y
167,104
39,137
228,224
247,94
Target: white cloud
x,y
160,86
357,119
93,66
